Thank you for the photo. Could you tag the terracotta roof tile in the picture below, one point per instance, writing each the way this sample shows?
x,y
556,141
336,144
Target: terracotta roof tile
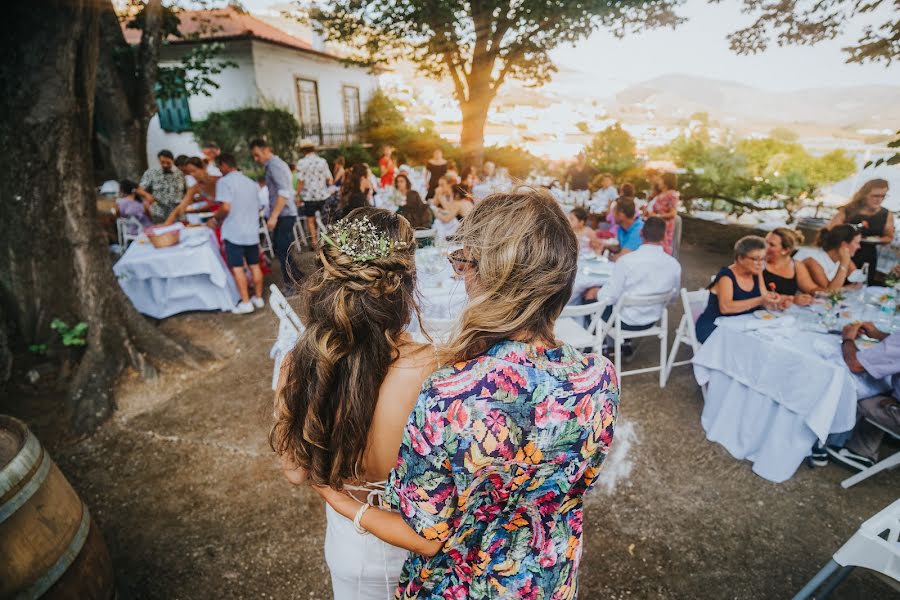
x,y
227,23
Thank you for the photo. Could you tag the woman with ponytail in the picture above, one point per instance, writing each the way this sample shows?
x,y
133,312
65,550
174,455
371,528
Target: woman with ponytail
x,y
349,385
831,263
509,434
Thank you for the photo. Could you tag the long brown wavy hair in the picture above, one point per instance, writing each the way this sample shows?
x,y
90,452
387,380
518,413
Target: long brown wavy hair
x,y
852,208
526,260
354,313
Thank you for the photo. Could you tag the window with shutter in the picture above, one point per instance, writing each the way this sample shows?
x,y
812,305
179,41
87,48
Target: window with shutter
x,y
351,107
308,108
174,114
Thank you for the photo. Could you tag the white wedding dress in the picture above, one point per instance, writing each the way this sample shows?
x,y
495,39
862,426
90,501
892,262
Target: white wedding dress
x,y
362,566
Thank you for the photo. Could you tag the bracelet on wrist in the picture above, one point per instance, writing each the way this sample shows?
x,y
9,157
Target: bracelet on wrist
x,y
356,520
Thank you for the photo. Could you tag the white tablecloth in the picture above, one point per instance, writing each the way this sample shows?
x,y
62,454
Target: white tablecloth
x,y
165,281
773,392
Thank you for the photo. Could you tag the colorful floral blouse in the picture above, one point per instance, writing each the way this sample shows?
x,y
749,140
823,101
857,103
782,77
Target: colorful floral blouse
x,y
663,203
495,460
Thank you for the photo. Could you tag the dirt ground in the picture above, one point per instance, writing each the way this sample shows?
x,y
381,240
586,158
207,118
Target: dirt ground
x,y
189,497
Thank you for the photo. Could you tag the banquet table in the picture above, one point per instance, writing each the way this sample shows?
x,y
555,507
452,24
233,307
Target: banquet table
x,y
775,387
188,276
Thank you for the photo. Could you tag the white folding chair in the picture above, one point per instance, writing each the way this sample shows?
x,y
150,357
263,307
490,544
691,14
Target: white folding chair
x,y
424,234
123,225
676,237
883,465
660,330
300,232
568,327
266,242
694,303
874,546
289,329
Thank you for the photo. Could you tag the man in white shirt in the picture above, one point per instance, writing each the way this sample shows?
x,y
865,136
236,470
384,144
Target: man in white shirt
x,y
239,199
602,198
647,270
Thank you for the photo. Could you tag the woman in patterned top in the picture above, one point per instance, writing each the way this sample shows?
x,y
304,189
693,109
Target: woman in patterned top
x,y
507,437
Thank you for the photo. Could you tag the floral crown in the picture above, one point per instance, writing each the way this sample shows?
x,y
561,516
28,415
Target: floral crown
x,y
361,240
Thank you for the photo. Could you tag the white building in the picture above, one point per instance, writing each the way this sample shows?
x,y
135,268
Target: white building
x,y
273,68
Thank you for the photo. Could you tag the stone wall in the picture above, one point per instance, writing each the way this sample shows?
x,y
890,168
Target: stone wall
x,y
715,237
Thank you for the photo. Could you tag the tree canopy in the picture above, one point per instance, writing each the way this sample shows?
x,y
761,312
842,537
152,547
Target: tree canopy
x,y
806,22
612,150
478,45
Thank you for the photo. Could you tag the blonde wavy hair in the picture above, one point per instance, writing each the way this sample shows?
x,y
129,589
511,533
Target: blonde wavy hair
x,y
355,313
525,259
852,208
791,239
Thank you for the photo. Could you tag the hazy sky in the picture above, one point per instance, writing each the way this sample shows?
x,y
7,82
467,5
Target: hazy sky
x,y
699,47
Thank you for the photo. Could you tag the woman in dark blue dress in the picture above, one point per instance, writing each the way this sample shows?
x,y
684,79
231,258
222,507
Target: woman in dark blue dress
x,y
738,288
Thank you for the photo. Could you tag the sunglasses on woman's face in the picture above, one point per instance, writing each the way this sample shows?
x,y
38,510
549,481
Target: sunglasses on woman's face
x,y
460,263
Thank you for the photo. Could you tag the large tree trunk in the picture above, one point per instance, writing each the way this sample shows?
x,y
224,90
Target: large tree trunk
x,y
471,139
120,130
55,262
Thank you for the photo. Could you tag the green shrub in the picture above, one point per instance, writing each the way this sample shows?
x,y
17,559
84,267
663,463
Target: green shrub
x,y
518,161
353,153
233,130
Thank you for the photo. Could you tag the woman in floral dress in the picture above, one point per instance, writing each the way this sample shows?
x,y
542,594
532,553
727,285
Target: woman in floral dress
x,y
506,438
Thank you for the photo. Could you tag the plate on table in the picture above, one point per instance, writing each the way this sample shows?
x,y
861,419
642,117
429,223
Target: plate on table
x,y
872,239
765,315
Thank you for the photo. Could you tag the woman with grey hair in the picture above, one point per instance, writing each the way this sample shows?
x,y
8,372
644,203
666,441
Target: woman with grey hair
x,y
738,288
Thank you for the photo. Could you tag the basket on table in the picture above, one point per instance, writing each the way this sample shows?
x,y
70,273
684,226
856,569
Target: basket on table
x,y
163,236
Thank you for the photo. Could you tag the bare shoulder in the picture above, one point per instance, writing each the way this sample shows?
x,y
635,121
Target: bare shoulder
x,y
416,361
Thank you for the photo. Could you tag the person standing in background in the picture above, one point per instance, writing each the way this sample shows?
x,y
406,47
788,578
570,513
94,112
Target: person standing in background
x,y
579,175
387,166
435,168
281,214
665,206
162,187
238,214
313,179
211,153
873,220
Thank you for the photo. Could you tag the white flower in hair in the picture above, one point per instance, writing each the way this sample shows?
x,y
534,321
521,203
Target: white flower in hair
x,y
361,240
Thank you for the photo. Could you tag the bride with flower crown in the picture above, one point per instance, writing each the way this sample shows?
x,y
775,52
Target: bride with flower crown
x,y
349,385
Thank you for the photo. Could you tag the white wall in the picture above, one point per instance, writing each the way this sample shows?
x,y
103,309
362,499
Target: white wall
x,y
264,77
277,67
237,89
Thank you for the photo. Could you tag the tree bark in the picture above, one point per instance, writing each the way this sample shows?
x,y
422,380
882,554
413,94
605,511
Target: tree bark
x,y
471,139
119,129
55,262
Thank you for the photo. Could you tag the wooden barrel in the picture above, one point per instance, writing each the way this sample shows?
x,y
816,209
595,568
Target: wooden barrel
x,y
49,545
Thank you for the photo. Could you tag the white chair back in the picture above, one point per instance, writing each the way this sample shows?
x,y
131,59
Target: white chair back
x,y
300,232
282,309
266,238
128,229
676,237
660,330
290,327
694,304
570,329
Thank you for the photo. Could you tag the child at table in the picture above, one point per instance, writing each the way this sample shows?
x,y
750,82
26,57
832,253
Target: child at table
x,y
128,205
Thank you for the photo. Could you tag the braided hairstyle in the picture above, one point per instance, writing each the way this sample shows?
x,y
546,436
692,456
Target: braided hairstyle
x,y
354,313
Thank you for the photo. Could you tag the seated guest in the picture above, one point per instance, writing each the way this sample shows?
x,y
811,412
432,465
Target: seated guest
x,y
738,288
880,360
453,172
470,179
647,270
831,263
129,205
584,234
783,274
414,210
606,194
629,224
445,208
356,191
462,199
238,214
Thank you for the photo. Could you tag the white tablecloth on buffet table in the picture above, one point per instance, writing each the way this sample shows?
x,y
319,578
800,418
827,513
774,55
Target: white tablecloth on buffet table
x,y
165,281
773,392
